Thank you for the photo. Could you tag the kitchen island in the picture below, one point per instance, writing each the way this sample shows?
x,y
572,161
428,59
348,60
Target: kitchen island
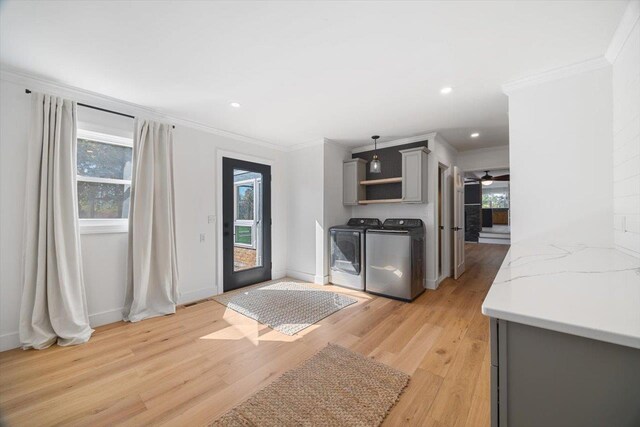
x,y
565,337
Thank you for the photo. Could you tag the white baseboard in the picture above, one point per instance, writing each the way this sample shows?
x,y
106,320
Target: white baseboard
x,y
301,276
321,280
197,295
278,274
105,317
433,284
9,341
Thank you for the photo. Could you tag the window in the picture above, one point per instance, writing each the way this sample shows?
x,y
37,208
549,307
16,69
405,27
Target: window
x,y
246,190
104,165
495,200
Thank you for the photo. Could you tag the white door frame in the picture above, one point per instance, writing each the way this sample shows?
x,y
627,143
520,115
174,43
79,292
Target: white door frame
x,y
458,207
447,222
219,267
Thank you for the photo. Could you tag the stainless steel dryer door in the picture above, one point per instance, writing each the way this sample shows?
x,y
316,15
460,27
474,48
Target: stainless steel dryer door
x,y
388,269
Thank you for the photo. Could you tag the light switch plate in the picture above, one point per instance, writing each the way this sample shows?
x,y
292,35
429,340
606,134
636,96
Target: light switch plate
x,y
201,237
211,219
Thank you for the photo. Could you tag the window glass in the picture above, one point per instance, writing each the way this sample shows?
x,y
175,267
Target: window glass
x,y
243,234
101,200
495,200
104,176
103,160
244,200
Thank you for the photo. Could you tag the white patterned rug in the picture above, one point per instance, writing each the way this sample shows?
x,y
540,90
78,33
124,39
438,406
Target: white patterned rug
x,y
286,306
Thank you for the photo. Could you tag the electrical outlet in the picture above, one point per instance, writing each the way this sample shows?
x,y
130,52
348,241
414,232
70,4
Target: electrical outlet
x,y
211,219
201,237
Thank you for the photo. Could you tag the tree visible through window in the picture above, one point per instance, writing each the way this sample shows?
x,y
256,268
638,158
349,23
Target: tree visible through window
x,y
245,202
104,177
495,200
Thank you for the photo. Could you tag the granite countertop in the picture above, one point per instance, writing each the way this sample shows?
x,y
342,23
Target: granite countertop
x,y
581,290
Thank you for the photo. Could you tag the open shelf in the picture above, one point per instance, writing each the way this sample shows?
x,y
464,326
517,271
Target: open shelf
x,y
370,202
381,181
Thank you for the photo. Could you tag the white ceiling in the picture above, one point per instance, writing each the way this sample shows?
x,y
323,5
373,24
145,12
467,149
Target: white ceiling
x,y
306,70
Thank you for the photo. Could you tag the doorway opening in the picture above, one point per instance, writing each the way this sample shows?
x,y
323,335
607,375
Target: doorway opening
x,y
487,207
246,217
441,224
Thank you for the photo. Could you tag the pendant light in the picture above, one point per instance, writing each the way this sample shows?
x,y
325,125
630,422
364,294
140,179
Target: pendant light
x,y
486,179
375,166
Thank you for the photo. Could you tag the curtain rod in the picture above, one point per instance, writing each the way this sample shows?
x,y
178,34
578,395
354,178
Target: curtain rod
x,y
101,109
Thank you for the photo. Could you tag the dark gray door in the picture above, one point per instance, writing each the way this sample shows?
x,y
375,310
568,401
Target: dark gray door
x,y
246,223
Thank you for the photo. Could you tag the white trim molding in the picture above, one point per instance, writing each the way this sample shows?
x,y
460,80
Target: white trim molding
x,y
9,341
103,225
35,83
423,137
299,275
197,295
627,23
555,74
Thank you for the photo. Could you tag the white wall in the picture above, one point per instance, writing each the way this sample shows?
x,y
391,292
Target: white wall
x,y
315,205
492,158
104,255
626,139
334,212
561,160
305,186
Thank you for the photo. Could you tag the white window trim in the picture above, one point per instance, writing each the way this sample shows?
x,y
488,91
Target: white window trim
x,y
103,225
244,222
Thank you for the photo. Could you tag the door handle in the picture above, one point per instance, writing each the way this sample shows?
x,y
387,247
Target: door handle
x,y
456,228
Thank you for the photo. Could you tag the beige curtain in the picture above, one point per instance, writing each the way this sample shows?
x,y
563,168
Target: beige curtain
x,y
152,288
54,306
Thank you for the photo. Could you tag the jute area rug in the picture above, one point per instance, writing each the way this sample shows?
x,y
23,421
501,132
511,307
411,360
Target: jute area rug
x,y
285,305
336,387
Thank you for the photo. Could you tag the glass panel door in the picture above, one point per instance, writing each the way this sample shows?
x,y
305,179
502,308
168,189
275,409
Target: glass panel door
x,y
246,191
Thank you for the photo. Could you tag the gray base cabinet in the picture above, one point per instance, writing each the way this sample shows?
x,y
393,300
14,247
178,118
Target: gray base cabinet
x,y
546,378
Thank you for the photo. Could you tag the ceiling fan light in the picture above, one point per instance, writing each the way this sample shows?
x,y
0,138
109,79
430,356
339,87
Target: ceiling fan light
x,y
487,182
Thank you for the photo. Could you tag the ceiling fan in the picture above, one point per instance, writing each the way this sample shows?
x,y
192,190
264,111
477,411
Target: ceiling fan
x,y
487,179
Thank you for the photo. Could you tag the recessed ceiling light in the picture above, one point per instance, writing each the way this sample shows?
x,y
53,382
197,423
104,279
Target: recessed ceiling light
x,y
445,90
475,135
235,105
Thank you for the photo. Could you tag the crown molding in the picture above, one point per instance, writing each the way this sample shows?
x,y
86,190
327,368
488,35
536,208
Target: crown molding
x,y
555,74
628,21
37,83
424,137
310,143
486,149
442,141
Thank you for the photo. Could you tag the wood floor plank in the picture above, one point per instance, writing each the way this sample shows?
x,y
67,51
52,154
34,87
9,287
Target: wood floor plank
x,y
190,367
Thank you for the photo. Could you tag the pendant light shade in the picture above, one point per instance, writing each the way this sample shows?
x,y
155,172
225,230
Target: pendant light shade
x,y
375,166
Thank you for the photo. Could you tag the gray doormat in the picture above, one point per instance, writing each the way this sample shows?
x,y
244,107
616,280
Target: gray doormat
x,y
286,306
336,387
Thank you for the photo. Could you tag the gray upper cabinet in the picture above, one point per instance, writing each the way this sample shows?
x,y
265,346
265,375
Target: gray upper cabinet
x,y
414,175
353,171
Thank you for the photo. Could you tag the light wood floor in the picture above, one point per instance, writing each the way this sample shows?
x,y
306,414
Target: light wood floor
x,y
188,368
